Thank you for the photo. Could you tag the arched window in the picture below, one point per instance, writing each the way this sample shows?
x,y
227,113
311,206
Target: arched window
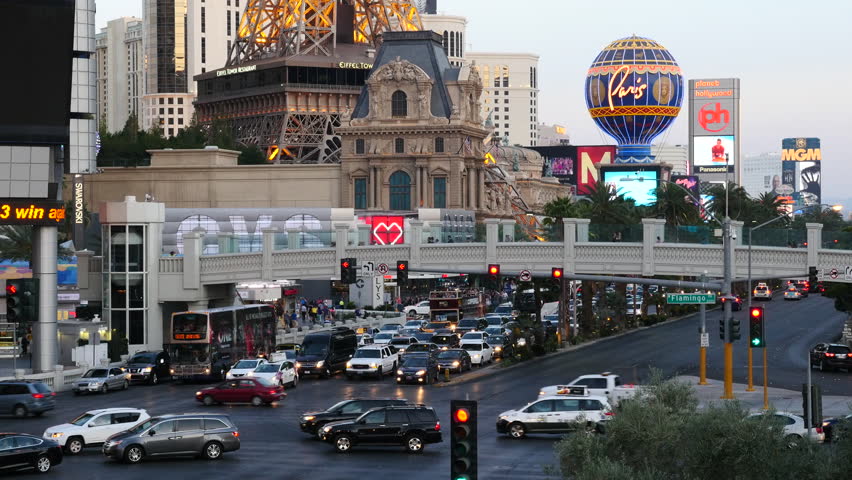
x,y
446,40
439,145
452,44
400,191
399,104
188,224
461,44
399,145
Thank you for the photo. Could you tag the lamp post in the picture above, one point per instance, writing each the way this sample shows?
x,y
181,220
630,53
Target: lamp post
x,y
728,256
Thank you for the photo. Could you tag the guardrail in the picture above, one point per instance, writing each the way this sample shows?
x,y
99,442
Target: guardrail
x,y
296,335
59,380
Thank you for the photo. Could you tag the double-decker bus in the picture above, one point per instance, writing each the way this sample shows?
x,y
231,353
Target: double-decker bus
x,y
204,344
453,305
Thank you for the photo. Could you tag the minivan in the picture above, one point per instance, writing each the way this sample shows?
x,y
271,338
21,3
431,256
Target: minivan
x,y
207,435
326,351
22,397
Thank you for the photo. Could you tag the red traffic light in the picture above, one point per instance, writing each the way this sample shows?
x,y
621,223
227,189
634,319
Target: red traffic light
x,y
344,264
556,272
461,415
401,266
756,312
494,269
11,289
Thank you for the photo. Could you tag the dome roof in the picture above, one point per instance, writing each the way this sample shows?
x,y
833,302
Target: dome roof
x,y
524,155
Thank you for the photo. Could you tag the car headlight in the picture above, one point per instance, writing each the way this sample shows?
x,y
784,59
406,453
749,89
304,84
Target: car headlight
x,y
206,371
504,417
498,349
348,364
326,429
456,363
308,418
374,365
320,363
420,373
476,355
250,374
298,365
57,434
147,370
172,371
540,393
399,372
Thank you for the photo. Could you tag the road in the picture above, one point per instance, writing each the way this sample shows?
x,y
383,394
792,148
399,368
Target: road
x,y
272,443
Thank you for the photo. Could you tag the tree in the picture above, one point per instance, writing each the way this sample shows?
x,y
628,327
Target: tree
x,y
16,243
675,206
251,155
662,435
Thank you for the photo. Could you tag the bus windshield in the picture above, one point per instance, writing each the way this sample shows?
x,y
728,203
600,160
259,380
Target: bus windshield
x,y
315,347
189,353
189,326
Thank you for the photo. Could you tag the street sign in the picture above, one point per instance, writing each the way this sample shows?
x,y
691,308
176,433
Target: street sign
x,y
359,283
691,298
525,276
367,269
705,339
383,269
833,274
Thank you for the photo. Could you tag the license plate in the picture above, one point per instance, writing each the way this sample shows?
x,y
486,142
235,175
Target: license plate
x,y
409,377
841,355
307,372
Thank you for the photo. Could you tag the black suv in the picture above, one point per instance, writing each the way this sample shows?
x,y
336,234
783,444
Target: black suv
x,y
148,367
446,341
412,426
422,349
829,356
312,422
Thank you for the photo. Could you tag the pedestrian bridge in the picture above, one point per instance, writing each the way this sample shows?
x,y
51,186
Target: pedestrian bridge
x,y
653,250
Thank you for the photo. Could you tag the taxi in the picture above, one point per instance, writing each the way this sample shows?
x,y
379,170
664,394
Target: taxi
x,y
570,409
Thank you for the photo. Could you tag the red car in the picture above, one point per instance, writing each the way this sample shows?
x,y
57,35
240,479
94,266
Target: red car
x,y
256,391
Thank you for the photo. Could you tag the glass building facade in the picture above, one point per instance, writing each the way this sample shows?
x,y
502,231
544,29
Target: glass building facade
x,y
125,281
165,46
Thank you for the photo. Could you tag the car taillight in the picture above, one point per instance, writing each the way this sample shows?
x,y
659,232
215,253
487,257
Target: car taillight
x,y
236,434
829,354
38,395
438,426
819,429
609,414
273,392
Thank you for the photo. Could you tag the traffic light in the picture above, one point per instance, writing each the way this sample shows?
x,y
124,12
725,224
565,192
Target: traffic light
x,y
463,449
401,272
735,329
348,273
22,300
812,276
494,276
756,328
722,329
556,273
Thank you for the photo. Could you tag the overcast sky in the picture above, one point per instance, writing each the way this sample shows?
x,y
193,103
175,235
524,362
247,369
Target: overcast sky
x,y
792,57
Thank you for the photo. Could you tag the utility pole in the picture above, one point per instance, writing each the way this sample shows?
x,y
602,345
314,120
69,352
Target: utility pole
x,y
703,342
728,257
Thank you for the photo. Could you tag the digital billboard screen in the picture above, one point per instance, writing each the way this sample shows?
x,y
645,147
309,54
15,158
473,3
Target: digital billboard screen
x,y
36,86
689,182
636,184
709,153
588,158
559,162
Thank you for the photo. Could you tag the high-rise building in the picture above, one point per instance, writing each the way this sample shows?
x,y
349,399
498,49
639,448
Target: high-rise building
x,y
675,155
167,102
211,29
81,154
510,81
761,173
452,29
120,68
550,135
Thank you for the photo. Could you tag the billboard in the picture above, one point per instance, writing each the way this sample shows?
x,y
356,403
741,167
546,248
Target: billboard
x,y
714,125
559,162
638,185
801,175
689,182
37,104
588,158
385,230
712,154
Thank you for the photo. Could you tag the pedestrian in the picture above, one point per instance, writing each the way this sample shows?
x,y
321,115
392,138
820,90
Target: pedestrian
x,y
304,311
314,311
25,344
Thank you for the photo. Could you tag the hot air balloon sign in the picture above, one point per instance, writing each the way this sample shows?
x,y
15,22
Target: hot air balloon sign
x,y
634,91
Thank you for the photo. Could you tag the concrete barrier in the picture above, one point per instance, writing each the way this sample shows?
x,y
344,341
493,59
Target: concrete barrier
x,y
296,335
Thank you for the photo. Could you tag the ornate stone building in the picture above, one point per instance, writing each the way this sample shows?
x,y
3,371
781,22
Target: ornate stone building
x,y
415,138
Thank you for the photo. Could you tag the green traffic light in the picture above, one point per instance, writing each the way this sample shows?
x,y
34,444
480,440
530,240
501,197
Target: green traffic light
x,y
755,341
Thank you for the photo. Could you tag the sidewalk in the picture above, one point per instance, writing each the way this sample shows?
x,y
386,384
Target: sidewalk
x,y
8,365
779,398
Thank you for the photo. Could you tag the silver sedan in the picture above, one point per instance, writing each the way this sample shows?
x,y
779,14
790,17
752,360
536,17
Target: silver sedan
x,y
101,380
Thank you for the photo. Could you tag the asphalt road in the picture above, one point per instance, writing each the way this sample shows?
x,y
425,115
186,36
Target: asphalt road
x,y
274,447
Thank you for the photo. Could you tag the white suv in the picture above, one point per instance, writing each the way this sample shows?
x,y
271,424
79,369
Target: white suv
x,y
421,308
374,359
762,291
556,414
94,427
480,352
244,367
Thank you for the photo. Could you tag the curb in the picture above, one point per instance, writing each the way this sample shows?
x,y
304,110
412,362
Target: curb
x,y
493,369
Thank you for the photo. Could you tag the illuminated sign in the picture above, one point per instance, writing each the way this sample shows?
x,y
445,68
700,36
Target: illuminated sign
x,y
639,184
231,71
709,154
801,155
359,65
188,336
636,90
31,212
712,115
559,129
489,159
78,200
589,158
386,230
689,182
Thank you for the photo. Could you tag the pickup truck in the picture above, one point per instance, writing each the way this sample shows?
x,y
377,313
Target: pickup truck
x,y
605,384
373,360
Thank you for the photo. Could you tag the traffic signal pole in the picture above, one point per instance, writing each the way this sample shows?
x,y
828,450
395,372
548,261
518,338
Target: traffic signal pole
x,y
702,350
45,344
728,258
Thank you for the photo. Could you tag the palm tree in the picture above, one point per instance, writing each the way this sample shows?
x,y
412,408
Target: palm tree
x,y
608,207
16,243
675,206
740,205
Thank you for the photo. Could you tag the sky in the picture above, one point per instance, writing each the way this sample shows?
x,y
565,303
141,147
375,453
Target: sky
x,y
792,58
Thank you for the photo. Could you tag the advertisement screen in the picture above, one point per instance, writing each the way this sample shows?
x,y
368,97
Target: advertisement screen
x,y
587,160
559,162
709,153
689,182
386,230
638,185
